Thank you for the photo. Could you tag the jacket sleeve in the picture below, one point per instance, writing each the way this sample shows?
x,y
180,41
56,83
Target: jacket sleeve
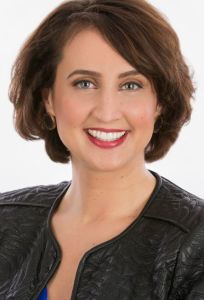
x,y
188,282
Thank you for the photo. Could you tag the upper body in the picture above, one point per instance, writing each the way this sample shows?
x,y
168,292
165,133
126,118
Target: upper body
x,y
160,255
92,84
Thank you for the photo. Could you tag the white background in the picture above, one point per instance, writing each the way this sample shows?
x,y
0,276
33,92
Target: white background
x,y
25,163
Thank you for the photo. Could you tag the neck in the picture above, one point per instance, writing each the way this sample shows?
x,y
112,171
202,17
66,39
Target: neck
x,y
105,195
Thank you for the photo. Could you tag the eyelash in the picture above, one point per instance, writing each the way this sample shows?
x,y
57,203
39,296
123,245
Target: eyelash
x,y
130,82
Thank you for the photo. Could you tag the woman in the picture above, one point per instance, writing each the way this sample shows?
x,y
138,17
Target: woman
x,y
104,84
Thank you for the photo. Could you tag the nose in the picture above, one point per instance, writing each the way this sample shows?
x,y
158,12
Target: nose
x,y
108,107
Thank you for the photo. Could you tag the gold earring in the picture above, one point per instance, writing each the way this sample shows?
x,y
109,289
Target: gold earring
x,y
49,122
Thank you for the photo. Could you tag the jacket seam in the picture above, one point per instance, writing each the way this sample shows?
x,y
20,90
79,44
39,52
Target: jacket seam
x,y
183,228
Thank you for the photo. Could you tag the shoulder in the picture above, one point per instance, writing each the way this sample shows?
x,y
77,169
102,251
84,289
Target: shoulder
x,y
177,206
185,198
186,211
42,195
183,212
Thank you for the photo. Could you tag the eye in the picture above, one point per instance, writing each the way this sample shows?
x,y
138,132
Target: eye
x,y
83,84
133,85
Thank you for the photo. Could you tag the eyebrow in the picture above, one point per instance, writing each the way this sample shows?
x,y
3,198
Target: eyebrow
x,y
96,74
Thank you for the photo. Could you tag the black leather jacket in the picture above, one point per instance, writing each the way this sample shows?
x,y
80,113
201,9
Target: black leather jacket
x,y
158,256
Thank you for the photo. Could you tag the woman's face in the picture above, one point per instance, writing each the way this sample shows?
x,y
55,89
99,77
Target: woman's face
x,y
107,100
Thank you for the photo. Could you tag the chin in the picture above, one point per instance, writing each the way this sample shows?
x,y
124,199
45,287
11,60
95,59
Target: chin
x,y
108,166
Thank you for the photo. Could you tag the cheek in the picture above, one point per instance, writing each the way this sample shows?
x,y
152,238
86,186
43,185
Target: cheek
x,y
65,107
142,115
145,119
69,113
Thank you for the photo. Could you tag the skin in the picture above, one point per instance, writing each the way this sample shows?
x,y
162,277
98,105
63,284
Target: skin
x,y
106,183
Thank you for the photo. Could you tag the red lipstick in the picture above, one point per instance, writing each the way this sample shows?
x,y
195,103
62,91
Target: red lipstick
x,y
107,144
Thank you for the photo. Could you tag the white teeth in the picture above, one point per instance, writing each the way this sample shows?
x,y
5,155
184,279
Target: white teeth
x,y
106,136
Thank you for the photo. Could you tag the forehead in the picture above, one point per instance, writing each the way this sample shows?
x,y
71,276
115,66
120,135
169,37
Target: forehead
x,y
89,47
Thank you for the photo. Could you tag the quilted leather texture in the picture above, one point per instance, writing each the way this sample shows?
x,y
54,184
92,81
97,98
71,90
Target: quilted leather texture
x,y
159,256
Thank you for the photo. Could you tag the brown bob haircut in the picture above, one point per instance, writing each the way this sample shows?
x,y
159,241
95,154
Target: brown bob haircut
x,y
138,32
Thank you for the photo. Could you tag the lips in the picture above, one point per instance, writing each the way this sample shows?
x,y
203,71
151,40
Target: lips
x,y
106,138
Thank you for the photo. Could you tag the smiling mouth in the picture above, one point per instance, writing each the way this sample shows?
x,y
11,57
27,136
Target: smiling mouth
x,y
106,136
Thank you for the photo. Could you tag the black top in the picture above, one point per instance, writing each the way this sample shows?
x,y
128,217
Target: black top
x,y
160,255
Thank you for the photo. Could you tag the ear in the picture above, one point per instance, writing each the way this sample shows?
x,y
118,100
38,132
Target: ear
x,y
48,101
